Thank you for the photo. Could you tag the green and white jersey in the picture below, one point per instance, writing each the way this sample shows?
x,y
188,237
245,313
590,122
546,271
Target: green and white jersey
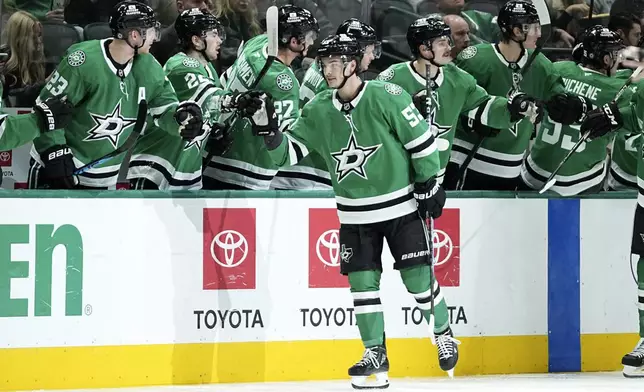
x,y
633,117
375,147
454,93
167,160
17,130
247,163
502,155
587,167
310,173
625,152
105,106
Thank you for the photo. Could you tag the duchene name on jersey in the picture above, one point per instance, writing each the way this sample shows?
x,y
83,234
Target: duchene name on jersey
x,y
581,88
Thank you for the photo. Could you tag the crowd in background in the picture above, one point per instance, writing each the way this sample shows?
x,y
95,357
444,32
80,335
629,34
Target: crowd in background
x,y
36,33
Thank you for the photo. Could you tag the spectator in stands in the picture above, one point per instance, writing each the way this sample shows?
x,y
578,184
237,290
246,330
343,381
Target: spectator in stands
x,y
483,26
168,44
628,27
41,9
24,72
460,33
241,23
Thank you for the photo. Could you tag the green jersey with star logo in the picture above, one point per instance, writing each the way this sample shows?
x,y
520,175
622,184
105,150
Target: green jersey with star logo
x,y
247,164
310,173
167,160
501,155
105,106
455,93
375,147
586,168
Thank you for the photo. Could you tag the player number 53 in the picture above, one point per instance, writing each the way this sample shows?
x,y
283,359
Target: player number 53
x,y
412,116
57,84
552,134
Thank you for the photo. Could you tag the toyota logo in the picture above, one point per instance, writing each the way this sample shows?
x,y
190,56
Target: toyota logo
x,y
443,246
328,244
5,156
234,246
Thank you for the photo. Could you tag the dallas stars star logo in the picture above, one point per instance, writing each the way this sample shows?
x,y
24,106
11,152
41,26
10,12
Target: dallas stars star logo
x,y
353,158
439,131
109,126
199,140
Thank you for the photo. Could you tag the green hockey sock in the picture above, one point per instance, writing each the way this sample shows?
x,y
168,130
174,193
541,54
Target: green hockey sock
x,y
640,292
365,288
417,280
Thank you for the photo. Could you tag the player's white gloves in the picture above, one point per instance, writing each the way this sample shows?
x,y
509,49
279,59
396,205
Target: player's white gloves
x,y
600,121
430,198
247,102
568,109
520,105
54,113
189,118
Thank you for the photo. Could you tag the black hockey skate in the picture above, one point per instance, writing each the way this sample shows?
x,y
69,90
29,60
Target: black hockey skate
x,y
634,361
447,351
374,362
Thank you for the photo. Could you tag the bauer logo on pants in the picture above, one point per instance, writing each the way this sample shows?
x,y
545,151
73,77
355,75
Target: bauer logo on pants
x,y
5,158
324,249
228,248
446,241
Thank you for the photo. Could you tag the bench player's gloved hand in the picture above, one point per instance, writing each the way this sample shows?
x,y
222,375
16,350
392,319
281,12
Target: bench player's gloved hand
x,y
247,102
58,170
420,101
520,105
54,113
219,140
600,121
430,198
567,109
264,121
475,126
189,117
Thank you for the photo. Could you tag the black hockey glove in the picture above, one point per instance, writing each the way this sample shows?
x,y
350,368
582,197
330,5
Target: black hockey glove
x,y
264,121
430,198
189,117
600,121
476,127
58,168
54,113
520,105
247,102
219,140
420,101
567,109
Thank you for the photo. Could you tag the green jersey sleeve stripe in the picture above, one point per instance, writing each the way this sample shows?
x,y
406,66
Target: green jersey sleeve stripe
x,y
306,93
425,149
296,150
423,138
203,93
481,112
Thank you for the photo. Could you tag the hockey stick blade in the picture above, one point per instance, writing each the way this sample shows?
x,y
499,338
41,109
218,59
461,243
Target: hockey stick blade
x,y
139,125
552,180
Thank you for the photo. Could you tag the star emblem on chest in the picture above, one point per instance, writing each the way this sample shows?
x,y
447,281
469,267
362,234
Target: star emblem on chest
x,y
199,140
439,131
109,127
353,159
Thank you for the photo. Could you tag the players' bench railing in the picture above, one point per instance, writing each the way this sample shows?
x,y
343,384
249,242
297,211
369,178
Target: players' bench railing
x,y
131,194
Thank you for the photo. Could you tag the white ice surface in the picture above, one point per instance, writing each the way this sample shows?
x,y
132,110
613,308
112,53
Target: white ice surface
x,y
517,383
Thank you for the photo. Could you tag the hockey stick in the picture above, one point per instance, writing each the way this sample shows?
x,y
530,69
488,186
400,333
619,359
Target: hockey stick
x,y
428,238
544,21
552,180
271,50
139,125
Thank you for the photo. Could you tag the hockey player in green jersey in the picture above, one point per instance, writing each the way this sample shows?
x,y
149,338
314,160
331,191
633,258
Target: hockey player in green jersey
x,y
54,113
454,91
496,67
382,156
311,173
103,81
612,117
593,79
247,165
164,161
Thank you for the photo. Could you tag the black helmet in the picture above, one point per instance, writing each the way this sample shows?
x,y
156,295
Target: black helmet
x,y
343,45
423,31
293,21
197,22
129,15
597,42
516,13
362,32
